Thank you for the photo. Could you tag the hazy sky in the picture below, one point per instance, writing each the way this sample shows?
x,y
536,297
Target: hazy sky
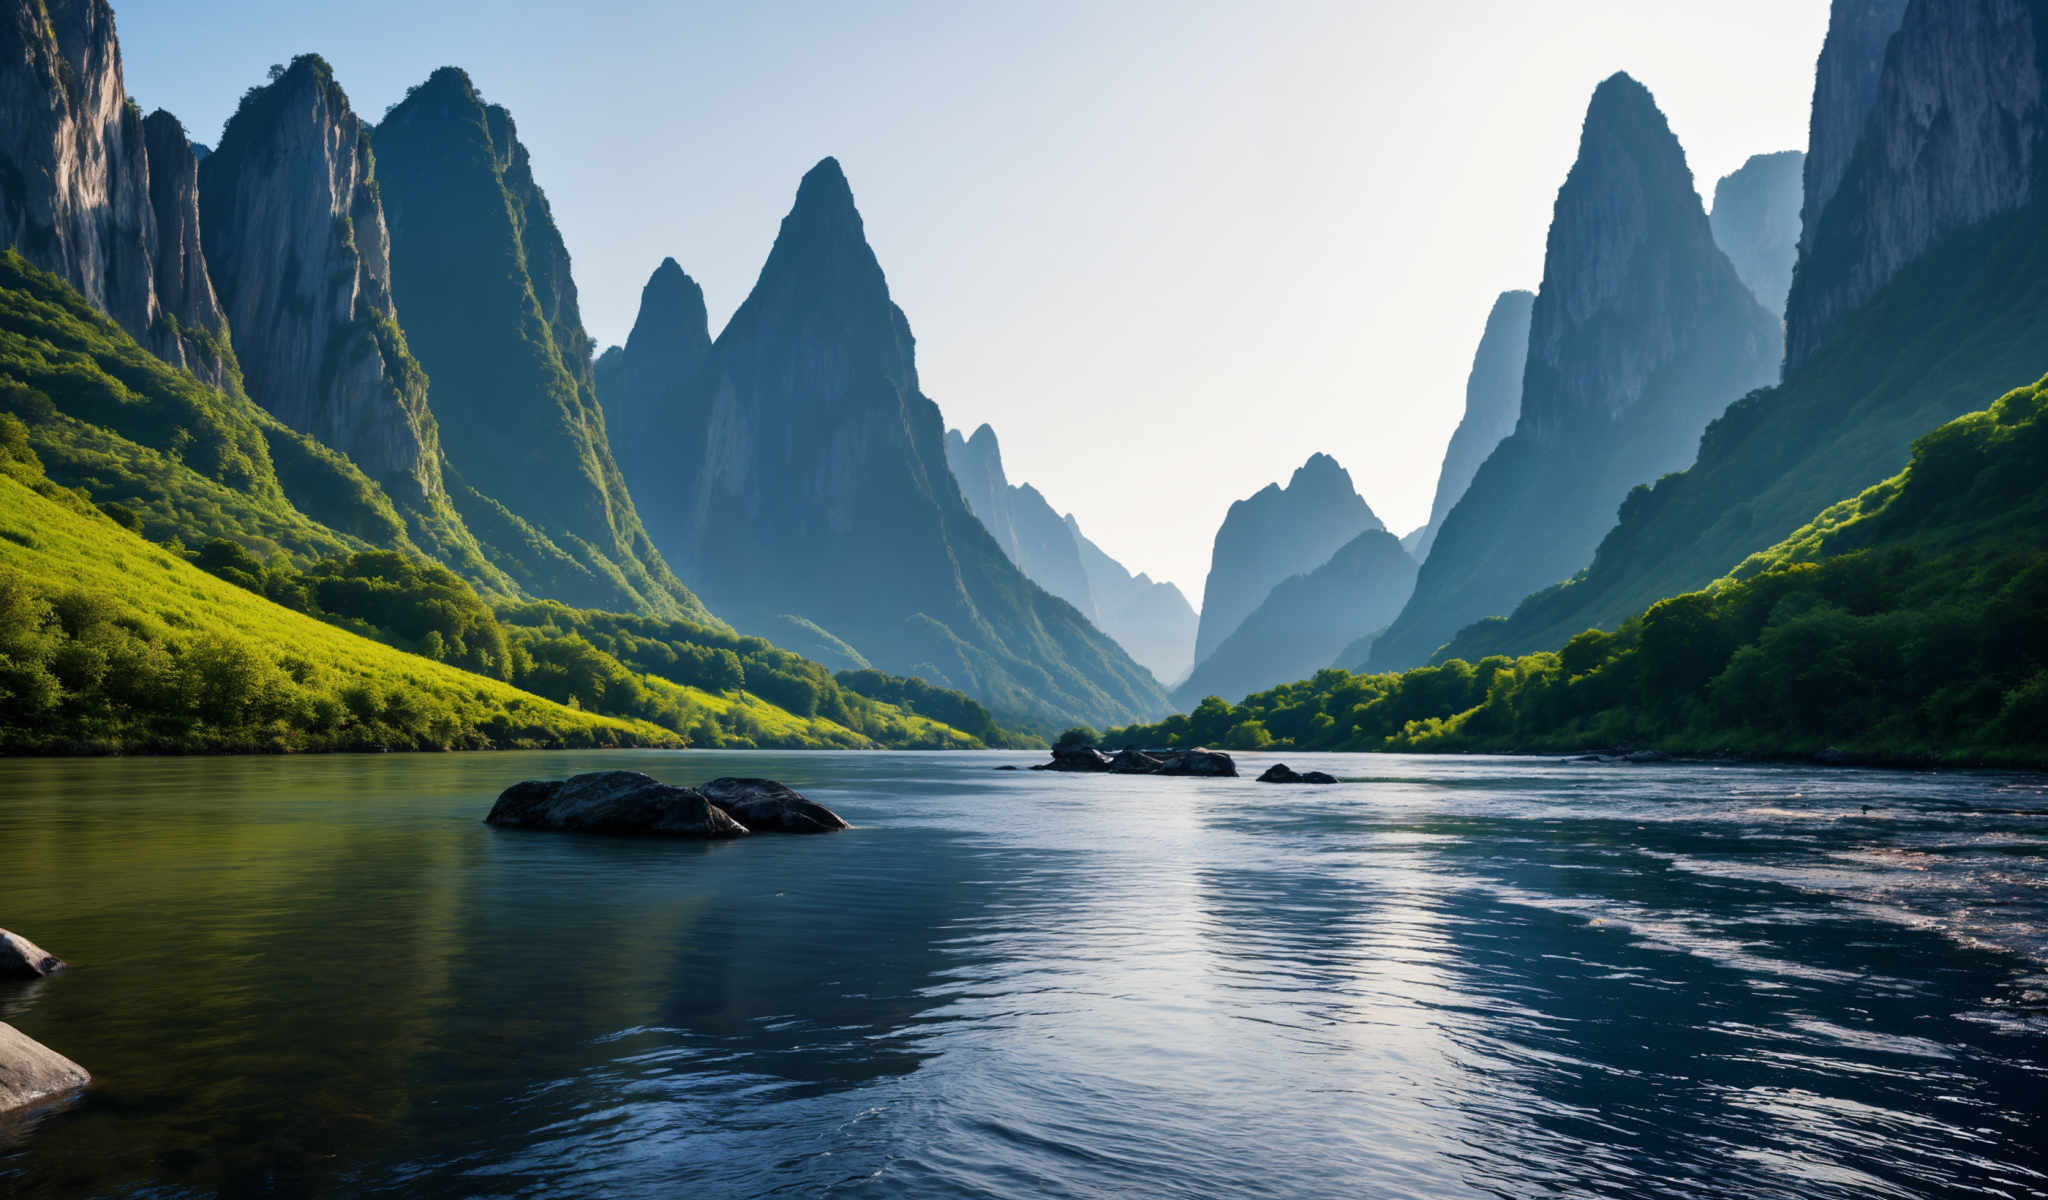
x,y
1168,249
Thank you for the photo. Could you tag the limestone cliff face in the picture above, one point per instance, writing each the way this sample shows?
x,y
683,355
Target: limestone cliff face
x,y
1028,529
77,193
197,339
1272,534
1493,402
1640,335
1755,219
643,385
1844,88
1148,617
295,240
1952,137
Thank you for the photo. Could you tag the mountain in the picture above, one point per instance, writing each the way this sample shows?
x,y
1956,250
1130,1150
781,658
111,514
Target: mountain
x,y
817,487
1965,319
1273,534
642,383
481,275
75,181
1755,219
1149,618
1952,138
1899,625
1845,83
1493,403
1640,334
295,242
184,285
1028,529
1307,621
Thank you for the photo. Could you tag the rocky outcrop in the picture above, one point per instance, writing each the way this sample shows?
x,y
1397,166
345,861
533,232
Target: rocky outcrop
x,y
23,959
1149,618
1844,89
1306,622
296,243
613,802
1640,335
482,278
765,806
32,1074
1953,137
1275,533
1282,773
83,187
1493,402
1029,530
1133,761
1755,219
812,459
644,384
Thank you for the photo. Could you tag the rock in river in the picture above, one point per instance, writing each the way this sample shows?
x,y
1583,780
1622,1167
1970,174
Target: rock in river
x,y
1198,761
32,1073
625,802
23,959
1282,773
1075,758
765,806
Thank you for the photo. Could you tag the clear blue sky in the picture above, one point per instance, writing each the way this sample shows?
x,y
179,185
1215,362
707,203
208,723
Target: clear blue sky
x,y
1168,248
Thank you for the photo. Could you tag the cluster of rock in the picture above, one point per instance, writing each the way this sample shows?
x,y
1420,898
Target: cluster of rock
x,y
1282,773
633,803
30,1072
1132,761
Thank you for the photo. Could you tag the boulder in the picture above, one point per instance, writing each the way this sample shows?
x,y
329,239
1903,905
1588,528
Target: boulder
x,y
1075,758
1133,761
615,802
23,959
32,1073
765,806
1198,761
1282,773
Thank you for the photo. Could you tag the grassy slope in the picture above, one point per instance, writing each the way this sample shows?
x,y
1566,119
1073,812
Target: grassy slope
x,y
166,657
1905,623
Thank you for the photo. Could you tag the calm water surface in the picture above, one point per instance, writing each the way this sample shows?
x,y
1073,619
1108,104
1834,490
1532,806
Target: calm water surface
x,y
1444,978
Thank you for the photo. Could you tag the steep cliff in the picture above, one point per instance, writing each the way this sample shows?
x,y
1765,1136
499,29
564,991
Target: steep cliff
x,y
1272,534
1028,529
1640,334
1755,219
77,195
1149,618
1844,88
643,384
480,274
1306,622
1965,319
1493,402
1952,138
296,244
821,491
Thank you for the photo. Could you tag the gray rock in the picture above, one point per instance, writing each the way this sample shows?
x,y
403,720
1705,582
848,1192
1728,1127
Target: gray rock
x,y
1075,758
1282,773
1198,761
23,959
1133,761
32,1073
614,802
765,806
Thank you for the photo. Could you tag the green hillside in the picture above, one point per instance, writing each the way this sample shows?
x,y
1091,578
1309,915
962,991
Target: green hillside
x,y
1902,624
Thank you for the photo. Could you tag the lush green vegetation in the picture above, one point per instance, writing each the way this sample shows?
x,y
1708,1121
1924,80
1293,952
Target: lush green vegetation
x,y
1906,623
108,643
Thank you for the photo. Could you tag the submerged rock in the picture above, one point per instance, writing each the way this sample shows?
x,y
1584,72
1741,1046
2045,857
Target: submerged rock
x,y
765,806
23,959
616,802
32,1073
1282,773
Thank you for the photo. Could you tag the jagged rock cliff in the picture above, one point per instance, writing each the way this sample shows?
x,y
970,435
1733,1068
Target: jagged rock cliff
x,y
821,491
193,332
490,309
1844,88
1640,334
1755,219
1493,402
1952,138
1028,529
295,240
1307,621
1272,534
644,383
1149,618
76,185
1967,319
